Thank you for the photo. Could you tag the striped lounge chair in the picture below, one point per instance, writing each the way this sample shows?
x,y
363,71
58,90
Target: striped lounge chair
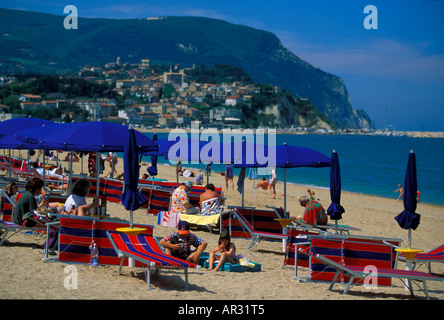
x,y
359,272
145,249
435,255
7,226
10,229
256,235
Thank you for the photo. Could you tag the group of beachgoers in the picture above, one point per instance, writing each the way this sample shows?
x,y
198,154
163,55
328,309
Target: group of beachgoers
x,y
34,209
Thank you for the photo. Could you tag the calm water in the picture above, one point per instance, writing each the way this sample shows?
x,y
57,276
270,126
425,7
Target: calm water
x,y
372,165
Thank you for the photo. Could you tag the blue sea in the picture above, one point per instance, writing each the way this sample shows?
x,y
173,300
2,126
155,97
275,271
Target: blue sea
x,y
372,165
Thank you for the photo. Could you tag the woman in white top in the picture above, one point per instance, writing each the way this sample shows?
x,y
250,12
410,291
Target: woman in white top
x,y
76,203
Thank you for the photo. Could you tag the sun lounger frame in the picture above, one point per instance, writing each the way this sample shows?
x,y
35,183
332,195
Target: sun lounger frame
x,y
361,273
150,259
257,236
436,256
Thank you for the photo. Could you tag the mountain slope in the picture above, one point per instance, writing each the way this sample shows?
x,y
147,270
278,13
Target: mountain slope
x,y
38,42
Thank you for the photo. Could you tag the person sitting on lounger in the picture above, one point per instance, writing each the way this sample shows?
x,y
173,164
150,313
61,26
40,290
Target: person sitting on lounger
x,y
180,203
314,213
79,190
12,190
208,205
27,201
178,244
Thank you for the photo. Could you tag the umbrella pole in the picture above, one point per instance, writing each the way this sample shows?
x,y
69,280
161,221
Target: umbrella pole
x,y
131,219
243,193
177,173
27,168
44,169
10,168
98,158
254,187
70,175
285,190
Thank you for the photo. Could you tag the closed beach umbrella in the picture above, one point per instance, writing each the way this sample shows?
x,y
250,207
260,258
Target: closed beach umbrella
x,y
409,219
152,170
335,210
132,199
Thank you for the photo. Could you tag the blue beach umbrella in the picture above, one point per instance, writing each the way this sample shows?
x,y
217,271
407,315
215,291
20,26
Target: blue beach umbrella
x,y
19,124
95,136
132,199
335,210
409,219
287,156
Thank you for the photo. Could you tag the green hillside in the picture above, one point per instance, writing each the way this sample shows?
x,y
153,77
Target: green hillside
x,y
38,42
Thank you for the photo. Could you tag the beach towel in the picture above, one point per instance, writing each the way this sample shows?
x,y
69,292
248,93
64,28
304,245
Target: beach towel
x,y
211,206
243,266
168,219
199,219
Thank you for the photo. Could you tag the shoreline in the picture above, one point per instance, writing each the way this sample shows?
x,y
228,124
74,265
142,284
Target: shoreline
x,y
410,134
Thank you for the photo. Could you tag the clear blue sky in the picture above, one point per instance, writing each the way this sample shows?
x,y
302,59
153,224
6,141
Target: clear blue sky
x,y
395,73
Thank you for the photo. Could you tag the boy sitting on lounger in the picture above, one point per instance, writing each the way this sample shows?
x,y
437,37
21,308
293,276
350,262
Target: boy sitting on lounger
x,y
178,244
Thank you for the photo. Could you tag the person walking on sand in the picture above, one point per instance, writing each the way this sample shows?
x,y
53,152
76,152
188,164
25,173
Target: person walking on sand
x,y
401,192
229,176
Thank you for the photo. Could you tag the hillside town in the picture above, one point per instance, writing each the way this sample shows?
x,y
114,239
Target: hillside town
x,y
151,97
154,96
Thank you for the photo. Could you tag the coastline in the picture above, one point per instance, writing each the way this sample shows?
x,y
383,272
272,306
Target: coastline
x,y
411,134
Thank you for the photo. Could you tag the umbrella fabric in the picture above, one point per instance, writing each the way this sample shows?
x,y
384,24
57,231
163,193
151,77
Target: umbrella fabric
x,y
240,180
409,219
35,135
152,170
252,173
335,210
131,198
287,156
10,141
164,146
86,136
19,124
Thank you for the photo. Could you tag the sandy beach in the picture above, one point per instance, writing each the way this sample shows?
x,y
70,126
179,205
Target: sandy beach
x,y
25,276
